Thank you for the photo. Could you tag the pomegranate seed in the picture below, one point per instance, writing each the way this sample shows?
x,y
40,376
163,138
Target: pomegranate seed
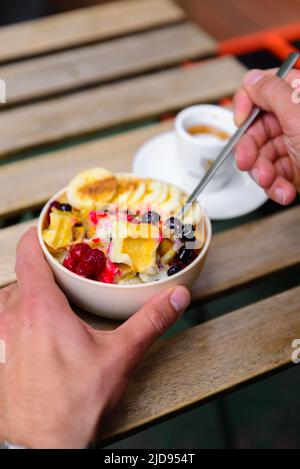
x,y
94,218
102,214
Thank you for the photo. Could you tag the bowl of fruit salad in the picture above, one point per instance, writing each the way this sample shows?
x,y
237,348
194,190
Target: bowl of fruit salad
x,y
115,240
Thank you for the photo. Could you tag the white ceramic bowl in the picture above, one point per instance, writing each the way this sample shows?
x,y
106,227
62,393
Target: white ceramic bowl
x,y
116,301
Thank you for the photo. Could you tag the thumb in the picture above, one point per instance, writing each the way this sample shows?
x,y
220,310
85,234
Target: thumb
x,y
274,95
152,321
33,272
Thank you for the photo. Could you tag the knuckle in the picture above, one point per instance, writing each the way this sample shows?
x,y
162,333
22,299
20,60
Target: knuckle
x,y
32,304
267,86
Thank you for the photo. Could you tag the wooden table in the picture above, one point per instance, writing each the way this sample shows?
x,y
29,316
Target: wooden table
x,y
88,88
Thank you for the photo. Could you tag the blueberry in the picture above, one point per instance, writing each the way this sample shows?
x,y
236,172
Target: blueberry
x,y
65,207
174,269
185,255
175,224
188,233
151,217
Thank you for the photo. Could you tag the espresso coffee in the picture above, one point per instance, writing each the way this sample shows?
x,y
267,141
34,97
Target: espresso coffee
x,y
202,129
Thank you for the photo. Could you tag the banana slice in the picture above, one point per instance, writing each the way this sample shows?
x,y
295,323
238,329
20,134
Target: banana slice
x,y
172,203
138,195
146,278
129,191
130,281
91,189
194,216
157,192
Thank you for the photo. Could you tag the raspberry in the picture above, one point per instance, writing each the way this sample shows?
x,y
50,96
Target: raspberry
x,y
90,264
85,268
96,259
78,251
69,263
109,273
80,270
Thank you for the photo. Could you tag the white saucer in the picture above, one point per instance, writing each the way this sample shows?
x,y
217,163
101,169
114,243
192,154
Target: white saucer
x,y
158,159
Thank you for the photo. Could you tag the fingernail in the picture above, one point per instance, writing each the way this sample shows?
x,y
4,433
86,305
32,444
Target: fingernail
x,y
255,175
281,196
253,77
180,299
240,118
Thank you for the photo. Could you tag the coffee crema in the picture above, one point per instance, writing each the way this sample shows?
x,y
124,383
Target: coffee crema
x,y
202,129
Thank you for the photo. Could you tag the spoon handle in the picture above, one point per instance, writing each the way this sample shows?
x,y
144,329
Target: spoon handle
x,y
227,150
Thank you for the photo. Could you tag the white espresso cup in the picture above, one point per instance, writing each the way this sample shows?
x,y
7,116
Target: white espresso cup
x,y
198,152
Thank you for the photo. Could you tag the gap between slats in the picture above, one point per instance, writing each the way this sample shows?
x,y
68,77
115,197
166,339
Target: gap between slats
x,y
85,26
106,107
86,66
207,361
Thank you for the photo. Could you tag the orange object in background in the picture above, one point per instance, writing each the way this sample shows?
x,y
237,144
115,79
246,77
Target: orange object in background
x,y
275,40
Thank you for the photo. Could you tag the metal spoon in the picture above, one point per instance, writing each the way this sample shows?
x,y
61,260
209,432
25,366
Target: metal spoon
x,y
227,150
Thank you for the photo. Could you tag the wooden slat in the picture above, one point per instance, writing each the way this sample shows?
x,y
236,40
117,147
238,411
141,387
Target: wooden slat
x,y
208,360
117,104
85,26
93,64
58,168
266,247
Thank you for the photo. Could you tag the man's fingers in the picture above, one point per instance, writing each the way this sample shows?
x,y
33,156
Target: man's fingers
x,y
243,106
265,169
282,191
274,95
33,272
152,321
266,129
246,153
291,77
244,100
263,172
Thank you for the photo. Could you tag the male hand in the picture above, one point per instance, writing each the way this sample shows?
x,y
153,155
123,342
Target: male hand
x,y
61,376
271,148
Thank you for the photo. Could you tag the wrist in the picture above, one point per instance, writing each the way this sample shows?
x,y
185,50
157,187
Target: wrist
x,y
46,441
